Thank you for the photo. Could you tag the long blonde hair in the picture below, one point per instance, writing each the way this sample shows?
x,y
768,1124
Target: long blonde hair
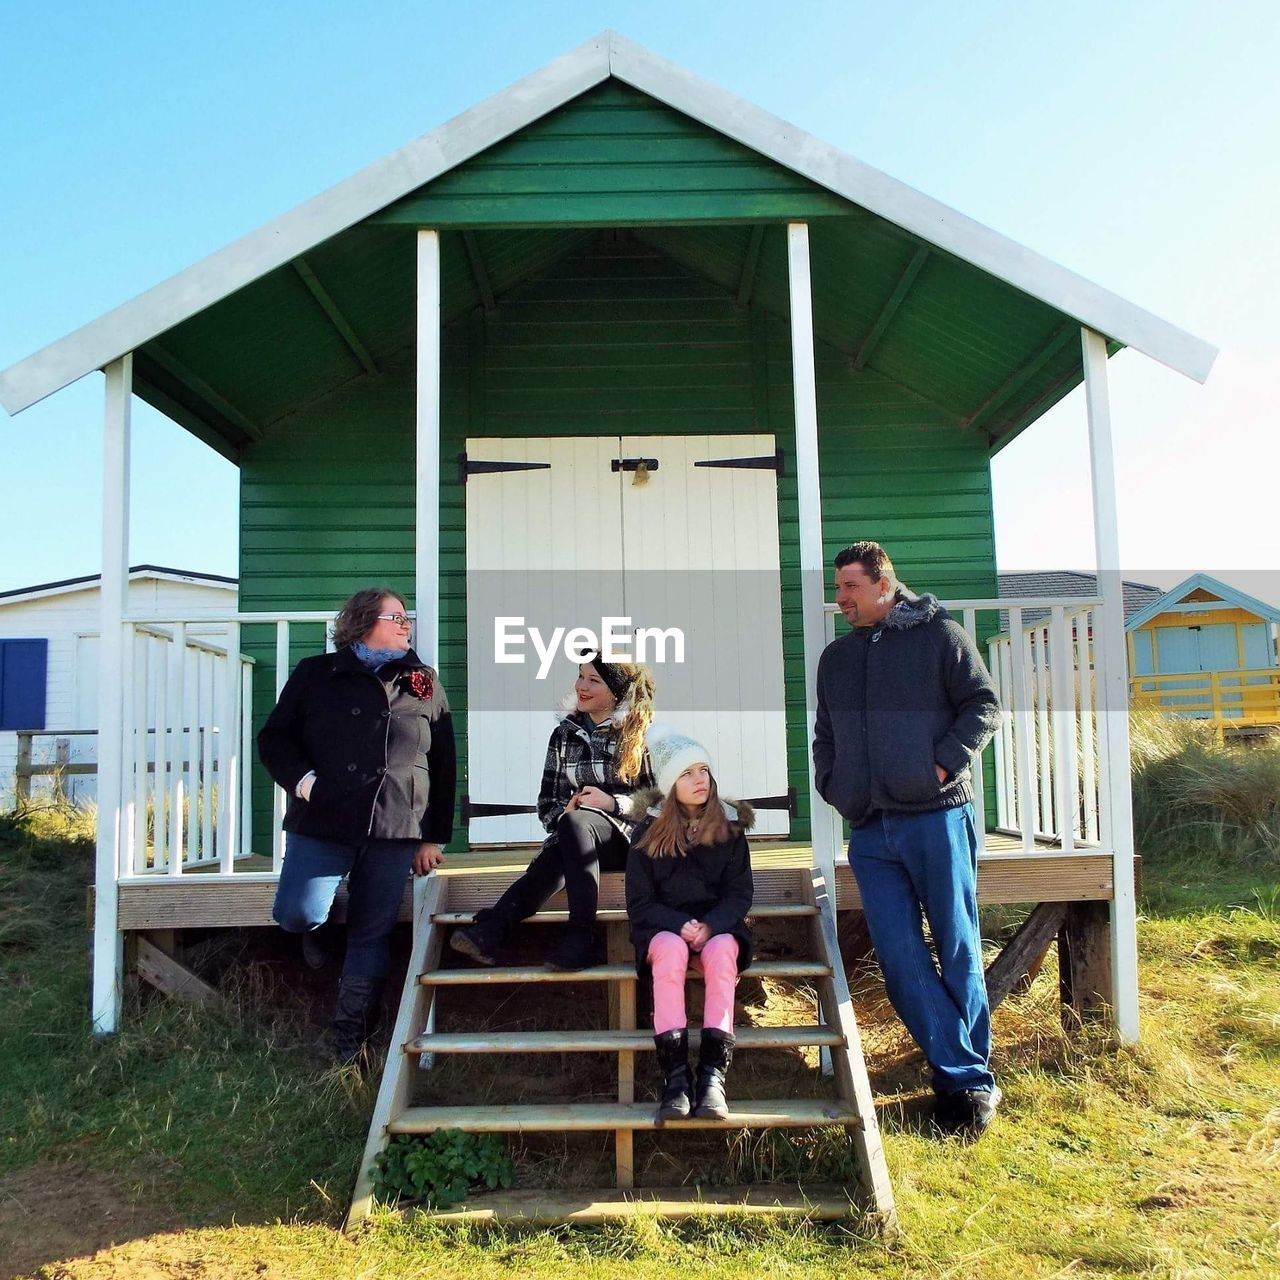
x,y
638,696
668,835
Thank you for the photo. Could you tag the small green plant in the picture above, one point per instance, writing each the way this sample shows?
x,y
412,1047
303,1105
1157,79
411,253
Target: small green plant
x,y
439,1170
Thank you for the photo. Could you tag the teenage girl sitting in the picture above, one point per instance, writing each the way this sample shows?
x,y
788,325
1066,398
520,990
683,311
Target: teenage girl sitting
x,y
689,889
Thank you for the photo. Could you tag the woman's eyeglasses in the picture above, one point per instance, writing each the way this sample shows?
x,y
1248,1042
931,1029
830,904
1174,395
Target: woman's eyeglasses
x,y
398,618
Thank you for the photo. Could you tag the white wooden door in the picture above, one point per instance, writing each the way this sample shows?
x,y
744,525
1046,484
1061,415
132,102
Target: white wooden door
x,y
700,552
544,545
570,539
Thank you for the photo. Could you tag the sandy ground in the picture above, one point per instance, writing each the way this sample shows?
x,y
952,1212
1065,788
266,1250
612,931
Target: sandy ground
x,y
59,1221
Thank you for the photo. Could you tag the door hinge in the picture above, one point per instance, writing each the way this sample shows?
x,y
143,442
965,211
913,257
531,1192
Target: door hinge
x,y
476,467
768,462
472,809
787,802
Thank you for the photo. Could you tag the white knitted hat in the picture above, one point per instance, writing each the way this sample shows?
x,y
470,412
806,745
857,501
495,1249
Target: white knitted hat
x,y
671,753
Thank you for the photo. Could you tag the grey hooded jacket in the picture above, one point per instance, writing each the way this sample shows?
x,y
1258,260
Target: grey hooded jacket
x,y
895,700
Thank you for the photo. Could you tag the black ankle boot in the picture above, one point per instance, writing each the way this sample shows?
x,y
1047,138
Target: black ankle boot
x,y
355,1018
576,950
482,940
714,1059
673,1061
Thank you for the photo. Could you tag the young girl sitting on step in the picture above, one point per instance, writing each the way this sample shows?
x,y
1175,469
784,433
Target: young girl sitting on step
x,y
688,892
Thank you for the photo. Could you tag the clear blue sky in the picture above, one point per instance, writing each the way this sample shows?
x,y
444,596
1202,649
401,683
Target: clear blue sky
x,y
1136,143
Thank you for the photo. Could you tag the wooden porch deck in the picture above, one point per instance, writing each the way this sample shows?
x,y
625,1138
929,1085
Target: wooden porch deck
x,y
205,899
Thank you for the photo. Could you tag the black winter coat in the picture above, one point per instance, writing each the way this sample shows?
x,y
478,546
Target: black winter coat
x,y
711,883
383,755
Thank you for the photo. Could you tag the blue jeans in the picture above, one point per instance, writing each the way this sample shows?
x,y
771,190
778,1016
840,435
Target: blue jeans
x,y
906,863
376,870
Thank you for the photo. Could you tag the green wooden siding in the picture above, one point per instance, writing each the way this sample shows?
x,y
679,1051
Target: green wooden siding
x,y
614,157
615,339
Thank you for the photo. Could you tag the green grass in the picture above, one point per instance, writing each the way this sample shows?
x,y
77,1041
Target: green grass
x,y
1157,1160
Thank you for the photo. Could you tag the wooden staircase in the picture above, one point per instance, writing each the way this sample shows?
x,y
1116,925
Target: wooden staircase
x,y
444,901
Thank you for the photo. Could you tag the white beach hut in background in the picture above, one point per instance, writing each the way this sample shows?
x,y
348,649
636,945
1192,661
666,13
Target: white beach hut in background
x,y
49,664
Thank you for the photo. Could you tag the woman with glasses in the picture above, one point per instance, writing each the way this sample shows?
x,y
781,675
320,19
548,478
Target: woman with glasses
x,y
361,739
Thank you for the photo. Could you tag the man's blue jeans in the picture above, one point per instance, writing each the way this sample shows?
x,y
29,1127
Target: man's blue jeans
x,y
377,869
906,863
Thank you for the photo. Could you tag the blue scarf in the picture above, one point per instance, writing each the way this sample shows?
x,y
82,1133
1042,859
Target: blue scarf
x,y
376,659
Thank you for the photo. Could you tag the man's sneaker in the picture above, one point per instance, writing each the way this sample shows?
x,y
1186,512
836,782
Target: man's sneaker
x,y
967,1114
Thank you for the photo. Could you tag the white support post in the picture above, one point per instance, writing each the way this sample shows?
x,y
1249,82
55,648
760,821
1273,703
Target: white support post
x,y
1044,753
995,664
229,761
426,564
160,788
1088,733
108,942
970,623
426,586
1065,774
809,505
209,713
177,748
140,645
1021,716
1113,690
280,796
246,758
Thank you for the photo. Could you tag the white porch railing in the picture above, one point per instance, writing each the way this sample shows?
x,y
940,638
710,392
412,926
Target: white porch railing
x,y
188,795
1051,768
1047,758
188,799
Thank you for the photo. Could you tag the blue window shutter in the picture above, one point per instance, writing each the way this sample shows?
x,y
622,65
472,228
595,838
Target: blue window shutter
x,y
24,673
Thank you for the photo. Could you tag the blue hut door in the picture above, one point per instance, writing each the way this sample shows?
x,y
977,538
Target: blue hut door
x,y
1196,650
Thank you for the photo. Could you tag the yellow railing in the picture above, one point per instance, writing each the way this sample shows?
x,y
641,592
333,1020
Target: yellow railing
x,y
1228,699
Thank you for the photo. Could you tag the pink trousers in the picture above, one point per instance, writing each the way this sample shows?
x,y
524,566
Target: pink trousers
x,y
670,960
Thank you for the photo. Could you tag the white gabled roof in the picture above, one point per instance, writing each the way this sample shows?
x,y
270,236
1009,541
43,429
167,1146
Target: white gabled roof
x,y
373,188
137,573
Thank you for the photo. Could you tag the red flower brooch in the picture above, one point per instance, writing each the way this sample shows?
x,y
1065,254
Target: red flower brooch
x,y
418,683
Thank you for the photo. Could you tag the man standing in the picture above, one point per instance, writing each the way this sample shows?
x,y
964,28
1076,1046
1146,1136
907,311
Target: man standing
x,y
904,703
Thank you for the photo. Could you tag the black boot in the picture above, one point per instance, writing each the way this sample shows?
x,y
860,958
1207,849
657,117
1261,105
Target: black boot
x,y
317,946
354,1018
577,949
673,1061
482,940
714,1059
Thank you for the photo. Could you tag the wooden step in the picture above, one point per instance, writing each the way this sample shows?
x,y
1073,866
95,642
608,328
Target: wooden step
x,y
544,1208
618,915
587,1117
609,1041
602,973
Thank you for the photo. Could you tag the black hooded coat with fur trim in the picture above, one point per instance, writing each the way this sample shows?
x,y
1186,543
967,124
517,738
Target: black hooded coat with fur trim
x,y
895,702
711,883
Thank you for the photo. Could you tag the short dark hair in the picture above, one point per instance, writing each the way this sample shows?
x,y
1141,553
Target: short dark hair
x,y
871,556
356,618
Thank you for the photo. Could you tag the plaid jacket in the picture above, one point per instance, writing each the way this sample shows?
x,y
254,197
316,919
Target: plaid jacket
x,y
581,754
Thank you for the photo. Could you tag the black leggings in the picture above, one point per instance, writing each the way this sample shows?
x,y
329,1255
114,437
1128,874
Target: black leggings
x,y
585,843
